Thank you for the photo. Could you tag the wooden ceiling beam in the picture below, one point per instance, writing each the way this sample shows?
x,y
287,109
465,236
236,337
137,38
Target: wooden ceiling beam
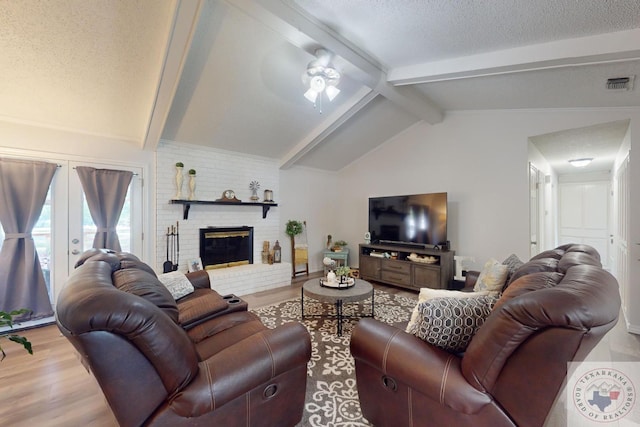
x,y
307,33
179,40
598,49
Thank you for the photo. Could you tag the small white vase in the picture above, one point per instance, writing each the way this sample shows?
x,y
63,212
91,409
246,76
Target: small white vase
x,y
192,187
331,276
179,180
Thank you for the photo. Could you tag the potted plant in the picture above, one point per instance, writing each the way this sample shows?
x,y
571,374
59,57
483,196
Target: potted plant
x,y
6,319
338,245
343,272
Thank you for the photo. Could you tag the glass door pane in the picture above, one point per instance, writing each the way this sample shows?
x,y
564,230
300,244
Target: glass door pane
x,y
42,233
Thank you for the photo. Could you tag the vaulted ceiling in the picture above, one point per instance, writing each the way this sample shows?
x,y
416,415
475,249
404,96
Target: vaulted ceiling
x,y
227,73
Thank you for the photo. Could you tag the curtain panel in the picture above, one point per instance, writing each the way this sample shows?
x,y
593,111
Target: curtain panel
x,y
105,191
23,191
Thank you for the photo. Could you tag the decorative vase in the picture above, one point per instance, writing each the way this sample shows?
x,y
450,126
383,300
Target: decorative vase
x,y
179,180
331,276
192,187
254,194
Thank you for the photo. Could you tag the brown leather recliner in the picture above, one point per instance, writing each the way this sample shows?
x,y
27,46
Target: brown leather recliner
x,y
557,308
200,361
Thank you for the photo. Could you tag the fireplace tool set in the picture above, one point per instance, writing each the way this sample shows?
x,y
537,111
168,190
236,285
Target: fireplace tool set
x,y
173,249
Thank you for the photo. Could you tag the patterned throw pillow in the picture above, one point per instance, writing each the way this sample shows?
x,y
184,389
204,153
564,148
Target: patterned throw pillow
x,y
177,284
513,263
492,277
451,323
427,294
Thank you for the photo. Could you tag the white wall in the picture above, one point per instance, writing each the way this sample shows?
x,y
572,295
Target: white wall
x,y
312,195
633,293
481,159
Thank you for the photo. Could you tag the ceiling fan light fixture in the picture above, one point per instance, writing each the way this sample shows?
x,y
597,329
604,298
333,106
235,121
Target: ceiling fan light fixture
x,y
311,95
580,163
320,77
317,83
332,92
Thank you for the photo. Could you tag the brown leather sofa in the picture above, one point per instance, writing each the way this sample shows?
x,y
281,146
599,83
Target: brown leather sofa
x,y
203,360
556,309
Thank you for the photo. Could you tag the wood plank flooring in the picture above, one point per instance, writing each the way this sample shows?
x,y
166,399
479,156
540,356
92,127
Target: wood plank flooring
x,y
51,388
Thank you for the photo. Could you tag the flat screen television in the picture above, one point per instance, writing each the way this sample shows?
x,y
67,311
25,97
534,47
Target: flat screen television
x,y
416,219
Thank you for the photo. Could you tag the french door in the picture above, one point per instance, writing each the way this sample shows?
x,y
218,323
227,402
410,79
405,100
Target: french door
x,y
65,228
73,229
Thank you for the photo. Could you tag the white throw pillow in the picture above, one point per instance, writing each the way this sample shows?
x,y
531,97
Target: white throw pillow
x,y
492,277
177,284
427,294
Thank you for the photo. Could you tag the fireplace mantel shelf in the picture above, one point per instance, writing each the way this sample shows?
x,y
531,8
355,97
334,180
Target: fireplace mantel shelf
x,y
186,205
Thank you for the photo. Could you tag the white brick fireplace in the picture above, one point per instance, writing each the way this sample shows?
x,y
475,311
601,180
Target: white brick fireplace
x,y
217,171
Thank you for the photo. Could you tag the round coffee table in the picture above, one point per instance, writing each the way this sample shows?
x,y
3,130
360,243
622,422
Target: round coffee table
x,y
360,291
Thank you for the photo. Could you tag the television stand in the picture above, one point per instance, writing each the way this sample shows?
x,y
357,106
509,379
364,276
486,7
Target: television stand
x,y
390,264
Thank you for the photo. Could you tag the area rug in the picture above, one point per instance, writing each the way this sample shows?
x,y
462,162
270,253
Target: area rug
x,y
332,396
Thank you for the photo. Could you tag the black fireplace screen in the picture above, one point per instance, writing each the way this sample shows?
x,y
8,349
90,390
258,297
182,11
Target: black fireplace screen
x,y
226,246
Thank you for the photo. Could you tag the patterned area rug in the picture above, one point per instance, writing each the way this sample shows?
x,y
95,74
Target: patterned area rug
x,y
332,396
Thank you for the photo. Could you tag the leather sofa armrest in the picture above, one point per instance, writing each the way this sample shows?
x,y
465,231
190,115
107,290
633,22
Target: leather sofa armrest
x,y
421,366
199,279
470,280
225,376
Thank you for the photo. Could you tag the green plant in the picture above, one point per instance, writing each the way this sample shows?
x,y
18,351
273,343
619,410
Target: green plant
x,y
343,270
192,171
6,319
340,243
179,165
294,227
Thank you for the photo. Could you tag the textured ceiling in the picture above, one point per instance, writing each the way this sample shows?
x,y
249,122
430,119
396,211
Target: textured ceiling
x,y
90,66
406,32
600,142
227,73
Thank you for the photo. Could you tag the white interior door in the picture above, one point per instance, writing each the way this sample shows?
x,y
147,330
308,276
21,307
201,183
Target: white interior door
x,y
584,215
534,210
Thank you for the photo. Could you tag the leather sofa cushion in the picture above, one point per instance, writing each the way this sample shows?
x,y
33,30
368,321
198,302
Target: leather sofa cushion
x,y
242,326
535,266
146,285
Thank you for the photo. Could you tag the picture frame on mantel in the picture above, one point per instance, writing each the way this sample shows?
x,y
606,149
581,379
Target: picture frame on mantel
x,y
194,265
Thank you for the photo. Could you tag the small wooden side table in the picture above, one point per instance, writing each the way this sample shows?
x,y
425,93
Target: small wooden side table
x,y
341,258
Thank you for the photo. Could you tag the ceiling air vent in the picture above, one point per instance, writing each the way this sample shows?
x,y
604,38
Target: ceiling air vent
x,y
620,83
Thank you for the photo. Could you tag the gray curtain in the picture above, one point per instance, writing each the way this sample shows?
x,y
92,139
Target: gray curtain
x,y
23,191
105,191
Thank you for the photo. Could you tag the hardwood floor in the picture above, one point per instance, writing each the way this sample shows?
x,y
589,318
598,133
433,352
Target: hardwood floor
x,y
51,388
